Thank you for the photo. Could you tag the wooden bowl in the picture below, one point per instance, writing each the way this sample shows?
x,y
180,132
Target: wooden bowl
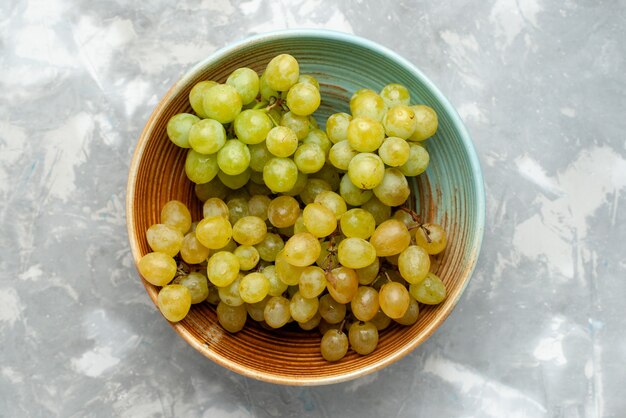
x,y
450,192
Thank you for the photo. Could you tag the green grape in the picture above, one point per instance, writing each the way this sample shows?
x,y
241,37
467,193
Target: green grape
x,y
365,134
303,309
231,318
337,127
235,182
328,259
282,72
201,168
297,188
283,211
352,194
406,218
214,232
309,79
197,284
414,264
299,225
302,249
381,321
313,123
312,188
390,238
222,103
312,282
256,310
164,238
277,313
248,257
365,304
214,207
411,314
280,174
378,209
341,154
394,299
254,287
175,214
312,323
309,158
223,268
266,91
214,188
318,137
394,189
192,251
368,274
332,201
207,136
417,162
330,175
356,253
230,294
258,205
430,291
174,302
234,157
400,121
363,337
330,310
252,126
367,104
249,230
259,156
303,99
334,345
394,151
395,94
319,220
281,141
277,286
300,125
196,96
271,245
246,82
178,128
157,268
366,170
431,237
287,273
357,223
342,284
426,123
237,209
256,186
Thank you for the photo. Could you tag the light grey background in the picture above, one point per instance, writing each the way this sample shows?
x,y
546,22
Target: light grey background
x,y
540,331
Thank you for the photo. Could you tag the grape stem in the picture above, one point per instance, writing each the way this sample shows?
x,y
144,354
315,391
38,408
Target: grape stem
x,y
417,219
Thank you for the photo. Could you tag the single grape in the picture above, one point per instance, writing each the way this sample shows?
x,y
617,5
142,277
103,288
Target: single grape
x,y
394,151
234,157
214,188
363,337
319,220
303,309
256,310
417,162
309,79
334,345
367,104
157,268
175,214
337,127
283,211
235,182
309,158
249,230
271,245
197,284
248,257
222,103
254,287
426,123
246,82
214,207
313,188
332,201
381,321
365,303
330,310
368,274
400,121
430,291
299,226
230,294
411,314
214,232
237,209
319,138
277,286
300,125
207,136
366,170
257,206
287,273
303,99
201,168
395,94
357,223
330,175
356,253
277,313
231,318
406,218
174,302
282,72
281,141
196,96
265,90
302,249
390,238
312,282
394,299
378,209
312,323
352,194
164,238
192,251
252,126
431,237
223,268
414,264
365,134
280,174
342,284
259,156
394,189
178,128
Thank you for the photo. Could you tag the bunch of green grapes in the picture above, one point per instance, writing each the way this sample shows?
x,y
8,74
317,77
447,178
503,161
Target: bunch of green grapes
x,y
300,225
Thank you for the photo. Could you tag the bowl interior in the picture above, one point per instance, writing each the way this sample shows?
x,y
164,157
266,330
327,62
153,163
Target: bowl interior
x,y
450,193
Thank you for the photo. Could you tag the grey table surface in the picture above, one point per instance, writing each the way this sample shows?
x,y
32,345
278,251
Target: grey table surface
x,y
540,330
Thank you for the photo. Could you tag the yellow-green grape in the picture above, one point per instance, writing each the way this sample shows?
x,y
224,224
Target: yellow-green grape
x,y
309,158
280,174
214,207
330,310
164,238
312,188
157,268
303,99
249,230
394,299
287,273
332,201
400,121
258,205
178,128
366,170
246,82
309,79
319,138
214,188
312,282
271,245
231,318
337,127
253,287
201,168
214,232
313,123
417,162
237,209
406,218
302,309
378,209
394,189
255,310
430,291
175,214
394,151
192,251
252,126
381,321
334,345
197,284
282,72
357,223
363,337
302,249
328,256
248,257
207,136
223,268
431,237
353,195
365,303
367,104
411,314
395,94
259,156
342,284
174,302
390,238
283,211
230,294
414,264
234,157
356,253
196,96
235,182
312,323
319,220
277,286
368,274
277,313
300,125
297,188
299,226
222,103
265,90
330,175
365,134
426,123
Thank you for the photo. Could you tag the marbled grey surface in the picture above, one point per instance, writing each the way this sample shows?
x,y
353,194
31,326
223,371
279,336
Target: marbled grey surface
x,y
540,331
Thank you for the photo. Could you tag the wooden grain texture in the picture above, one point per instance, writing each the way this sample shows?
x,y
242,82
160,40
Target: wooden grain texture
x,y
450,193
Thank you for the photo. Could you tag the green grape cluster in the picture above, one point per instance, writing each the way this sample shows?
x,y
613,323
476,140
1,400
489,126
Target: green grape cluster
x,y
300,225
